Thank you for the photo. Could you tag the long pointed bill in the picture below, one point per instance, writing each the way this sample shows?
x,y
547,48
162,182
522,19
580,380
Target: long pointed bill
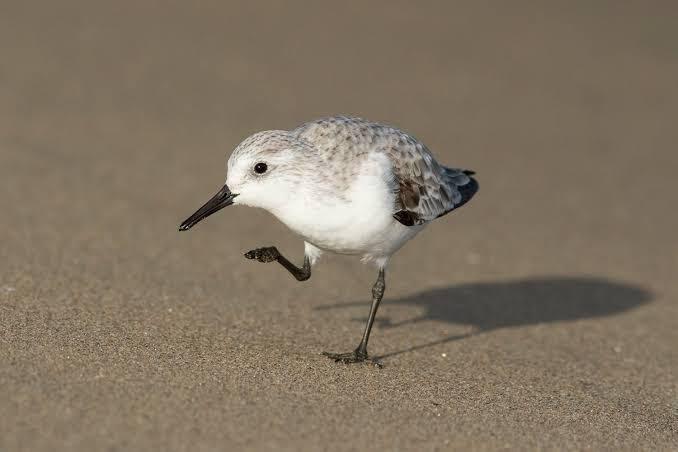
x,y
223,198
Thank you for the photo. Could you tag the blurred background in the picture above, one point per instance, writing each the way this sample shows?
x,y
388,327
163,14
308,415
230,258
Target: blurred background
x,y
541,315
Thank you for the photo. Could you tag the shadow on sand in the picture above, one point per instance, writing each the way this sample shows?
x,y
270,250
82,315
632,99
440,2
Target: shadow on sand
x,y
488,306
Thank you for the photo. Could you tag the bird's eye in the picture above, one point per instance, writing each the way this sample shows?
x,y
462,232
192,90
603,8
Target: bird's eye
x,y
260,168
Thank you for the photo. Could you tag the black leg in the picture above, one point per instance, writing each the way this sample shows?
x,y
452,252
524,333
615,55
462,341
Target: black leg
x,y
377,294
360,353
271,253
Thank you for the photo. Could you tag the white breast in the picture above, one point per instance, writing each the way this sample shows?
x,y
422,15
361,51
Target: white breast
x,y
359,221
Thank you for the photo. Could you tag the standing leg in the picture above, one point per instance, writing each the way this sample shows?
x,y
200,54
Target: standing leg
x,y
360,353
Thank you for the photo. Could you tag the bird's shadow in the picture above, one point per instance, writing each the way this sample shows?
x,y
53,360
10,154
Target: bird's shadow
x,y
491,305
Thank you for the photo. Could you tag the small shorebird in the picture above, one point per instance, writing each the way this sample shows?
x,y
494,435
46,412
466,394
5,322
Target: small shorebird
x,y
345,185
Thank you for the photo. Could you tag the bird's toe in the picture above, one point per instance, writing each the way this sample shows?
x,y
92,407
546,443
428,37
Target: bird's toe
x,y
352,357
264,255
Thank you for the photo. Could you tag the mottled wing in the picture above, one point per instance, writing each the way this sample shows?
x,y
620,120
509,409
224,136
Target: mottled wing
x,y
425,190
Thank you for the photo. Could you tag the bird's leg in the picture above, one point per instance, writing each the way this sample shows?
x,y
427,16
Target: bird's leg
x,y
271,253
360,353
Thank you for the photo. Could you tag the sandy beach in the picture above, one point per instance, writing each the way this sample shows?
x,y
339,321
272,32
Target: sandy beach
x,y
542,315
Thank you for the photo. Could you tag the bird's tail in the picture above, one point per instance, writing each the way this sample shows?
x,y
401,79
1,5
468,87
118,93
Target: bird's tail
x,y
463,182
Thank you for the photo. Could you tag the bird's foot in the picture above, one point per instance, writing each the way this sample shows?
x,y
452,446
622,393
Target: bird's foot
x,y
267,254
356,356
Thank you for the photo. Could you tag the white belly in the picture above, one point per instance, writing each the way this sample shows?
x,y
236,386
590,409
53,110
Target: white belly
x,y
360,222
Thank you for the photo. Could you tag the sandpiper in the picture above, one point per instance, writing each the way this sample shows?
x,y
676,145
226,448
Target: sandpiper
x,y
345,185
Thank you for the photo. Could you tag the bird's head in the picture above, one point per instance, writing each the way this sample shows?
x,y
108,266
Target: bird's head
x,y
265,170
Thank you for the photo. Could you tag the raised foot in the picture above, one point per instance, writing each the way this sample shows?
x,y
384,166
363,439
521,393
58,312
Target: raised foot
x,y
353,357
267,254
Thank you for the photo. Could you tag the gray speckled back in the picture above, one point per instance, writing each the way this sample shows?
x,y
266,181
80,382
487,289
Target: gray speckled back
x,y
425,189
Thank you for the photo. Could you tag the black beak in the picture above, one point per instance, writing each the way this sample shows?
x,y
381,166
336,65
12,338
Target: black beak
x,y
223,198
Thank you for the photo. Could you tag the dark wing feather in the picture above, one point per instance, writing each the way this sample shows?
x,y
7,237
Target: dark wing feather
x,y
426,189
